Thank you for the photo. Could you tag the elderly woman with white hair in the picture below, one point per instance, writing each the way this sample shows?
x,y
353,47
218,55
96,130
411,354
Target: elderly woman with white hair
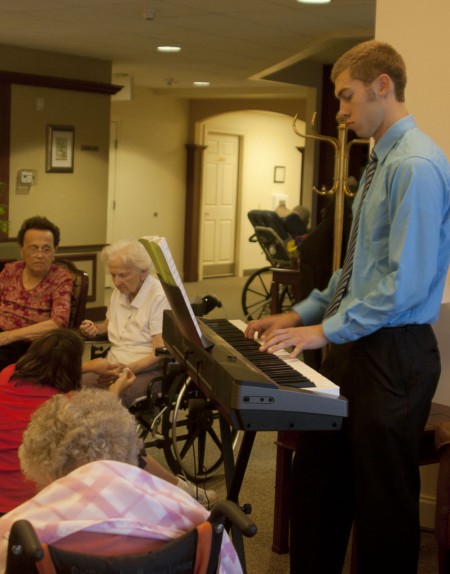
x,y
134,318
134,327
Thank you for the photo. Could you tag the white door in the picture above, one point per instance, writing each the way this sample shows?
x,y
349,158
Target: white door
x,y
220,182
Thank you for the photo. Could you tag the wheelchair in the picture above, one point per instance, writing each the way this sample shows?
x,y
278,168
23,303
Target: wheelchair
x,y
198,550
176,417
280,250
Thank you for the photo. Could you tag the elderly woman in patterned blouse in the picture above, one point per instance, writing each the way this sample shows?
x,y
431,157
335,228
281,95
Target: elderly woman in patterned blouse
x,y
35,293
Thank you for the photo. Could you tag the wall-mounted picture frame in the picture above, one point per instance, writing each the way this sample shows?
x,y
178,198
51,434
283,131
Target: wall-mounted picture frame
x,y
279,173
60,149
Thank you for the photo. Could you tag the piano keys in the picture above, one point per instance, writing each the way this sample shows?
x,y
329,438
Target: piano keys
x,y
254,393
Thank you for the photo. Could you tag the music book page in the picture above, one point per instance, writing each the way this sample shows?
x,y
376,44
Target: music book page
x,y
159,251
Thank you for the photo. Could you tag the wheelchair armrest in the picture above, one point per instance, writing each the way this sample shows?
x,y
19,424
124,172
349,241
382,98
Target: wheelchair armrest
x,y
229,510
23,538
162,352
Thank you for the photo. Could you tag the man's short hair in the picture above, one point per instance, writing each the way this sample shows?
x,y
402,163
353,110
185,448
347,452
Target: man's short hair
x,y
38,222
368,60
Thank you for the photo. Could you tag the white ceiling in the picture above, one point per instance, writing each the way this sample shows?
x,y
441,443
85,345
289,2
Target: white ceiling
x,y
233,44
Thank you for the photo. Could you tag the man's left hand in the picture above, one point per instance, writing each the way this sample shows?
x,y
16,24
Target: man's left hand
x,y
300,338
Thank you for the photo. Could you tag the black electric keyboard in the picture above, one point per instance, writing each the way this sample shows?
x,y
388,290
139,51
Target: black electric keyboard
x,y
252,390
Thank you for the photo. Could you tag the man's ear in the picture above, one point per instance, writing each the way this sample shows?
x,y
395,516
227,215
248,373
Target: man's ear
x,y
384,85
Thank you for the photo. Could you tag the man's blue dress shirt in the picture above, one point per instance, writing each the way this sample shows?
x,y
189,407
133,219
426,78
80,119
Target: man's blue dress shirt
x,y
402,251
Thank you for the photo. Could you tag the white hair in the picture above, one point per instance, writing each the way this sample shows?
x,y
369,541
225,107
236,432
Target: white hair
x,y
129,252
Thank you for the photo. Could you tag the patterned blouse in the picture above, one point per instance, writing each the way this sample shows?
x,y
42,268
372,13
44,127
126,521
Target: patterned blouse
x,y
50,299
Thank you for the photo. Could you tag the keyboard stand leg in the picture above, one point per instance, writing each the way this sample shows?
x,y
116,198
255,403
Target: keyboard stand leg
x,y
234,475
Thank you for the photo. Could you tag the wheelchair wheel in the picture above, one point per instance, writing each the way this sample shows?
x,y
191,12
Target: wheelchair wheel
x,y
256,295
191,428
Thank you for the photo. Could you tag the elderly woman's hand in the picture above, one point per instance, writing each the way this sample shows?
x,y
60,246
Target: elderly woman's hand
x,y
89,329
105,369
124,380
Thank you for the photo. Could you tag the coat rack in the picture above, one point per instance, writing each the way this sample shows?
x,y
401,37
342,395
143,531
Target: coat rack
x,y
340,182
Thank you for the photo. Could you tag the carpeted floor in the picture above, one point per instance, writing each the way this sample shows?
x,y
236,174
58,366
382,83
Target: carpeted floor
x,y
258,485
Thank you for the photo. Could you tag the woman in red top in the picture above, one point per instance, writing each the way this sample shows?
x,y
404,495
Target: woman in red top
x,y
51,365
35,293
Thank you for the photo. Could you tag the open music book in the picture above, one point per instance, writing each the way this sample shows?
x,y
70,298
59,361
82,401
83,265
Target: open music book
x,y
159,251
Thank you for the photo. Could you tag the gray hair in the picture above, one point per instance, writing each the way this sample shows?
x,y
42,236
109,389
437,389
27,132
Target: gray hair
x,y
129,252
70,430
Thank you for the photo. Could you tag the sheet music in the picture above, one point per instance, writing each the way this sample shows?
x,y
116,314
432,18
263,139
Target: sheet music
x,y
159,251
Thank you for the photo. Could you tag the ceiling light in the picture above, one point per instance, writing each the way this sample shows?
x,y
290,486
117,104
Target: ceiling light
x,y
201,83
169,49
314,1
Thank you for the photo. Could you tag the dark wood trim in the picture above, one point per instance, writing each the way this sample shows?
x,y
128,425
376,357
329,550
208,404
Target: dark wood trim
x,y
66,248
5,131
192,212
96,247
92,273
59,83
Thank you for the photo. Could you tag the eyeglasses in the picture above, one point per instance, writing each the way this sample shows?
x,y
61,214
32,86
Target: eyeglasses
x,y
46,250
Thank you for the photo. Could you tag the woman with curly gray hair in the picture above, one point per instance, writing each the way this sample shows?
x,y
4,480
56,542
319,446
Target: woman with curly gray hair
x,y
71,430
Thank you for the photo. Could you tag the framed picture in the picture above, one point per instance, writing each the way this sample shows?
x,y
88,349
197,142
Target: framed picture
x,y
279,173
60,147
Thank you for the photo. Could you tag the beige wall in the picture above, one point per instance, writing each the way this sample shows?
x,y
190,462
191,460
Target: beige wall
x,y
44,63
149,180
419,30
75,201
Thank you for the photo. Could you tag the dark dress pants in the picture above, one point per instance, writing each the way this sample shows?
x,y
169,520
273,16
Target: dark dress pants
x,y
367,473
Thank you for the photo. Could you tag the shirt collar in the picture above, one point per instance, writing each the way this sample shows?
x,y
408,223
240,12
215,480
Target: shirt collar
x,y
389,139
141,294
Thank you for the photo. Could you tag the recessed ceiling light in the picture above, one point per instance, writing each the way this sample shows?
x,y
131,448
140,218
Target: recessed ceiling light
x,y
167,49
201,83
314,1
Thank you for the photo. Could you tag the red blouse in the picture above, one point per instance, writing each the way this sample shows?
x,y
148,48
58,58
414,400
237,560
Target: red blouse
x,y
20,307
18,401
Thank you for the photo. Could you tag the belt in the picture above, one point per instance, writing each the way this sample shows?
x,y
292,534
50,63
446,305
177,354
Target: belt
x,y
405,328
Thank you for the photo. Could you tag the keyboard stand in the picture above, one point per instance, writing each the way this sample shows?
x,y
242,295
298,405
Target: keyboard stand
x,y
234,475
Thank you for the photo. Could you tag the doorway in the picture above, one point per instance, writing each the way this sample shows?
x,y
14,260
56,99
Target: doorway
x,y
219,204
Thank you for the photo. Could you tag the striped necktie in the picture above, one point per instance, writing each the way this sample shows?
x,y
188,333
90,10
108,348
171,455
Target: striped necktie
x,y
348,262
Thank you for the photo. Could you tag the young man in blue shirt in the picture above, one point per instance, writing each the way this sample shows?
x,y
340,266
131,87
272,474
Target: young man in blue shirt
x,y
376,314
